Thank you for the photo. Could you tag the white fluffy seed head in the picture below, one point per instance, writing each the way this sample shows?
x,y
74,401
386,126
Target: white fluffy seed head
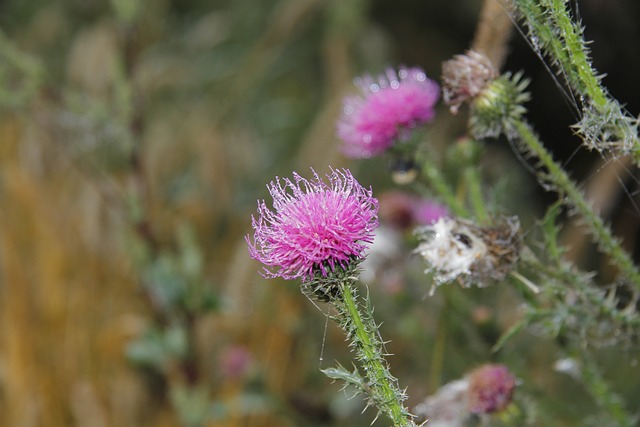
x,y
451,248
458,249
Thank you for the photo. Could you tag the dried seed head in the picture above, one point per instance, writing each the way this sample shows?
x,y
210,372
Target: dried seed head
x,y
458,249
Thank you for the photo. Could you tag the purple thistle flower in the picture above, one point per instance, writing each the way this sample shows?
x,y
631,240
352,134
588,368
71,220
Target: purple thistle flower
x,y
427,212
314,226
404,210
490,389
385,111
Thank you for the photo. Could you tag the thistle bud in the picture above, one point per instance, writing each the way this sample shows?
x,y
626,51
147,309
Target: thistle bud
x,y
464,77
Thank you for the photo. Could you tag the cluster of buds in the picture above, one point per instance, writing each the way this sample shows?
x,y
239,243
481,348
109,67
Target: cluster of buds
x,y
495,100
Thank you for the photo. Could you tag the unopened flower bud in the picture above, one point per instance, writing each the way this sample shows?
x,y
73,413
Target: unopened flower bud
x,y
490,389
498,105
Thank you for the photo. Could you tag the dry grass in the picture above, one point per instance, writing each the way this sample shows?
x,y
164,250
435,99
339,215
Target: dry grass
x,y
71,290
141,133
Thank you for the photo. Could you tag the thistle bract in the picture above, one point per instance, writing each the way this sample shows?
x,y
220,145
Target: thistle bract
x,y
314,226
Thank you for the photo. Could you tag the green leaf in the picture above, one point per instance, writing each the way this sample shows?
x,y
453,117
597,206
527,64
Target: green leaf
x,y
340,373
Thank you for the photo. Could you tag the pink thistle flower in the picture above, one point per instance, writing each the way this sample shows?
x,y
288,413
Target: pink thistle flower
x,y
427,212
314,226
404,210
490,389
235,361
396,209
385,111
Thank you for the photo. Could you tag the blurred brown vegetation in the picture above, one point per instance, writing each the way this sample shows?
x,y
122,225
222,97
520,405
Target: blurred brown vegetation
x,y
136,120
135,137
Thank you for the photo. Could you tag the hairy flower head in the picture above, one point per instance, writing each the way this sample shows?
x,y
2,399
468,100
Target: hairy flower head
x,y
386,110
314,226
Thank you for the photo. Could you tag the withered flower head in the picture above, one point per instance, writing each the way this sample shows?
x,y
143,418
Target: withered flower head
x,y
459,249
464,77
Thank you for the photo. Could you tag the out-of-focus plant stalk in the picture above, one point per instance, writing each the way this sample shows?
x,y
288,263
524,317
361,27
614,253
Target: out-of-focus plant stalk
x,y
439,184
473,183
493,32
603,395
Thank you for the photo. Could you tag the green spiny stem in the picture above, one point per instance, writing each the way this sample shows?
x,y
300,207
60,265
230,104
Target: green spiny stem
x,y
574,198
571,34
474,184
587,83
363,333
597,386
541,33
553,30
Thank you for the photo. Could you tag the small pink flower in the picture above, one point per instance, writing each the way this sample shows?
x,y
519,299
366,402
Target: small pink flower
x,y
490,389
314,226
404,210
234,361
396,209
427,212
385,111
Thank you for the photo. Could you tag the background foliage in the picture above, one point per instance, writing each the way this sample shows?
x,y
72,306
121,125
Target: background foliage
x,y
135,137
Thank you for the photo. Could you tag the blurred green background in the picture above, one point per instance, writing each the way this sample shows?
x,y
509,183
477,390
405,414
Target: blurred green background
x,y
135,138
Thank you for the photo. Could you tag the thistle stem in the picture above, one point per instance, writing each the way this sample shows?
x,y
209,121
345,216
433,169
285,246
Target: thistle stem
x,y
442,188
437,362
552,29
474,184
572,197
601,392
363,333
555,32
